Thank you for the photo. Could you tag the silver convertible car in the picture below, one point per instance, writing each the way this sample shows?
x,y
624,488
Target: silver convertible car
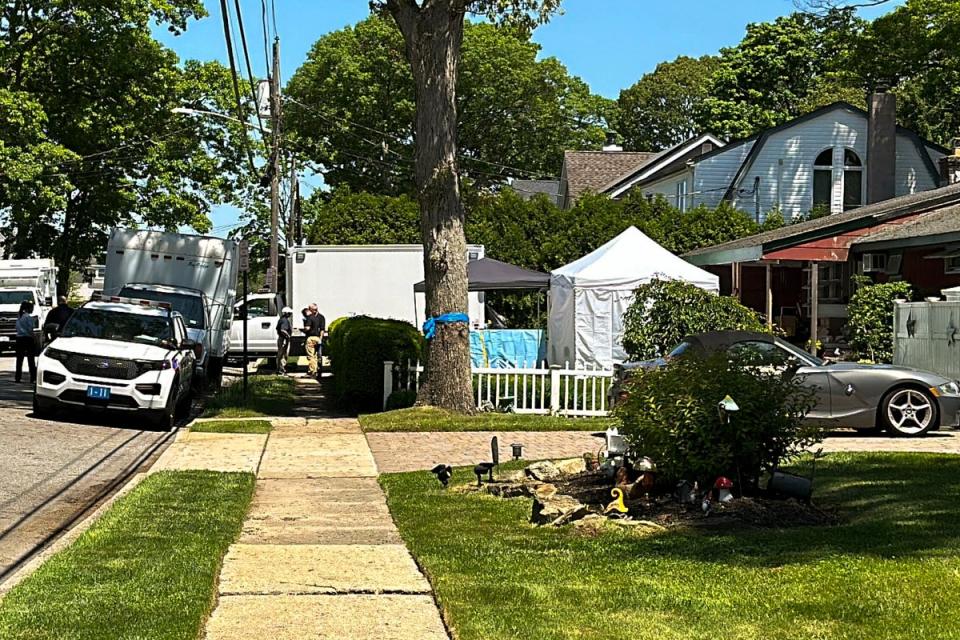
x,y
901,400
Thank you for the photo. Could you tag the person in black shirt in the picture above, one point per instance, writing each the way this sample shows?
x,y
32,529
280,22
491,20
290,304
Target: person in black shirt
x,y
284,331
314,325
58,316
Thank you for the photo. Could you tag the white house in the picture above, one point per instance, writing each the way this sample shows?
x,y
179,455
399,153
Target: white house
x,y
838,157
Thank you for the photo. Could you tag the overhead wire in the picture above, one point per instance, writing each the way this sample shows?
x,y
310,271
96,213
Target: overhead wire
x,y
246,57
236,82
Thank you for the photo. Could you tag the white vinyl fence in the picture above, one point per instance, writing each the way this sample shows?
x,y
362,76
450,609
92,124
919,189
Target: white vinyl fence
x,y
537,389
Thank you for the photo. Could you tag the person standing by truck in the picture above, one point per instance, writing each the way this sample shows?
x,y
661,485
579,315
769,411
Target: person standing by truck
x,y
284,331
57,318
314,324
26,343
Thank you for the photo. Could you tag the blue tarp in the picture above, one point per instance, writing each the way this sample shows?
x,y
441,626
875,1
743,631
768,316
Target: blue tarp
x,y
505,348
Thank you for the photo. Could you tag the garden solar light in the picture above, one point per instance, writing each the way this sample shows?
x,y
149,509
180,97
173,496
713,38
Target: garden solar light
x,y
727,406
517,449
482,468
443,473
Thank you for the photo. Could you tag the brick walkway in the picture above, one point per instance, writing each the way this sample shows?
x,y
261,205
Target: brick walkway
x,y
396,452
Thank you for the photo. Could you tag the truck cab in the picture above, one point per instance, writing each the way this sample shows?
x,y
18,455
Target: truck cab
x,y
21,280
263,313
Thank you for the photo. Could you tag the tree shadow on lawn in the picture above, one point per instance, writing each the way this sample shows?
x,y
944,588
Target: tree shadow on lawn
x,y
890,506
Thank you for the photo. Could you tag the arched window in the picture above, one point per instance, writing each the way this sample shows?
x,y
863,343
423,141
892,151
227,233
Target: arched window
x,y
852,180
823,178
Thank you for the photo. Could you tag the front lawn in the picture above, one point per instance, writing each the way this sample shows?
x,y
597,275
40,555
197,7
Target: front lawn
x,y
266,396
433,419
146,569
892,570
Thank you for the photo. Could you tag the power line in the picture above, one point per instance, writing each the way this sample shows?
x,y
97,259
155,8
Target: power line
x,y
246,57
236,82
266,35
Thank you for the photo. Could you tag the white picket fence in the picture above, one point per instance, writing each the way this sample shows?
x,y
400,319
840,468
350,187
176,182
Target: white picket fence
x,y
542,389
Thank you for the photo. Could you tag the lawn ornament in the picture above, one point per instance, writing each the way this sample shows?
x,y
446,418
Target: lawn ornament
x,y
443,472
706,505
723,487
481,469
617,504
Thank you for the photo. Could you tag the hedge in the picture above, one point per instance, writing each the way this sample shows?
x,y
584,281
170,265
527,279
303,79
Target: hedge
x,y
358,347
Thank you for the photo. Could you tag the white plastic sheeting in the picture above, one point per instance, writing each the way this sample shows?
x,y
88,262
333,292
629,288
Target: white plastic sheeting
x,y
589,297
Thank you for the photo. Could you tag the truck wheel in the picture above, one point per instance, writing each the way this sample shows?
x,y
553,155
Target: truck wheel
x,y
215,374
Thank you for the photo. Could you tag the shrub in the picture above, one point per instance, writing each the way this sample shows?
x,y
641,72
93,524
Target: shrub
x,y
403,399
671,415
665,311
358,347
870,315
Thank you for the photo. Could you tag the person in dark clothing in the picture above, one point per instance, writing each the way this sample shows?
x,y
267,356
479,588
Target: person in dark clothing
x,y
314,325
284,331
58,316
26,343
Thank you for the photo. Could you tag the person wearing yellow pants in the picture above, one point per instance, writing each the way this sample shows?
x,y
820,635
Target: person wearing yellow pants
x,y
314,324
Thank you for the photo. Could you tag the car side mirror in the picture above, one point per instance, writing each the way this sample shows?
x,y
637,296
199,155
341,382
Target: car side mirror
x,y
48,301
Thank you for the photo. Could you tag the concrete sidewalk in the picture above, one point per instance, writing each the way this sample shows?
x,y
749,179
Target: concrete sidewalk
x,y
319,556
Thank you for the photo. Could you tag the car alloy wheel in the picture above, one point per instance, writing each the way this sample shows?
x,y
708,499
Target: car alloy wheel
x,y
909,412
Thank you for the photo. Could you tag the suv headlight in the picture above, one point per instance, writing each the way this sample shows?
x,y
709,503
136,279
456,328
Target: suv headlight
x,y
144,366
947,389
56,354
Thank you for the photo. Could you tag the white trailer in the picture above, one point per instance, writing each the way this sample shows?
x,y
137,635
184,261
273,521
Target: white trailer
x,y
31,279
371,280
197,275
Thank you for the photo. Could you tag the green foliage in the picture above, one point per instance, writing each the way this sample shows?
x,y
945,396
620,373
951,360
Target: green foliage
x,y
871,317
665,107
232,426
432,419
773,220
666,311
358,346
402,399
514,109
88,139
343,217
671,416
780,70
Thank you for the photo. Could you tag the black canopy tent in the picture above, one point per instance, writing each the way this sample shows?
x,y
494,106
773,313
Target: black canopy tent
x,y
487,274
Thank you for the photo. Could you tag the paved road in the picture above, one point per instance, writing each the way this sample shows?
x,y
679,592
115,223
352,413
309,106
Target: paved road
x,y
54,472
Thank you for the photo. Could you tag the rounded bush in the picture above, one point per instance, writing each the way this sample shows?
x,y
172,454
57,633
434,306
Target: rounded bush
x,y
402,399
358,346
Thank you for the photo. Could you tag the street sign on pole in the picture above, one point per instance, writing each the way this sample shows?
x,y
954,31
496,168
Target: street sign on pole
x,y
244,256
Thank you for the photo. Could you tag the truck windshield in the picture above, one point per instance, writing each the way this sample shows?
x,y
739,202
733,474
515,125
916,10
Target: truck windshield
x,y
189,306
115,325
16,297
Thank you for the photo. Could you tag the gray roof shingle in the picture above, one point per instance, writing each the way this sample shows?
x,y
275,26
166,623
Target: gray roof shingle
x,y
594,170
938,222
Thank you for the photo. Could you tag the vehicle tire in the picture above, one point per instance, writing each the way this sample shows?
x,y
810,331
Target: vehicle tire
x,y
908,412
166,418
184,405
41,410
215,374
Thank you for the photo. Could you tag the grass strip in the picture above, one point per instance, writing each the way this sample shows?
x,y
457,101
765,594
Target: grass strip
x,y
433,419
146,569
889,571
232,426
266,396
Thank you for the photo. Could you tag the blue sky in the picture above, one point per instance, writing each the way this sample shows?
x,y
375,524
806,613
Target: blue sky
x,y
608,43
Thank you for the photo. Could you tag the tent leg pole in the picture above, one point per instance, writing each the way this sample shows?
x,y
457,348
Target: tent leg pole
x,y
769,297
814,305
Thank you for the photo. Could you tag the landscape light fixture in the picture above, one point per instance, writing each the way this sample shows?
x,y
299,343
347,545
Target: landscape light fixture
x,y
443,472
727,406
517,450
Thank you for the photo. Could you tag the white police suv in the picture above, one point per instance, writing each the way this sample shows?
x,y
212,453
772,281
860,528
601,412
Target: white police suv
x,y
120,354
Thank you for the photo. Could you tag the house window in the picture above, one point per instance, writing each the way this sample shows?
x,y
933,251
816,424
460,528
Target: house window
x,y
682,195
852,180
823,179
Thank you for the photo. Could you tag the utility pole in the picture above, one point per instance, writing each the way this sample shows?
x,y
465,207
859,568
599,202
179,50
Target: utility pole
x,y
292,238
272,273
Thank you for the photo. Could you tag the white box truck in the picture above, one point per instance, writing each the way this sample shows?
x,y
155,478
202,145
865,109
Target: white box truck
x,y
31,279
197,275
344,280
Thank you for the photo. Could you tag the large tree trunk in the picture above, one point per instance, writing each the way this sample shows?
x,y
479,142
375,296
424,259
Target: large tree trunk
x,y
433,33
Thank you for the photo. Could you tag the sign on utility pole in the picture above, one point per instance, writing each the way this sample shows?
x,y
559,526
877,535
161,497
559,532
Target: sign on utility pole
x,y
244,256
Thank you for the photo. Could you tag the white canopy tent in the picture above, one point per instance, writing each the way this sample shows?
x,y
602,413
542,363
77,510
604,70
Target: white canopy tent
x,y
589,296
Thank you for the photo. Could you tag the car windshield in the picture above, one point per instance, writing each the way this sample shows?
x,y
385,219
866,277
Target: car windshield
x,y
187,305
116,325
16,297
803,356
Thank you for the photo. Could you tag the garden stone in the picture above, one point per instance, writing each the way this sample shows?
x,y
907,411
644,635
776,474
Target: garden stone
x,y
571,466
545,471
544,491
557,510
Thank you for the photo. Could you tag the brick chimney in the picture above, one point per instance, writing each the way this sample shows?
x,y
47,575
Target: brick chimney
x,y
611,144
881,146
950,165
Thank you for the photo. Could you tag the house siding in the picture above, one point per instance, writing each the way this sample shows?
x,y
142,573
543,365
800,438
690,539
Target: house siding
x,y
668,188
785,164
711,176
